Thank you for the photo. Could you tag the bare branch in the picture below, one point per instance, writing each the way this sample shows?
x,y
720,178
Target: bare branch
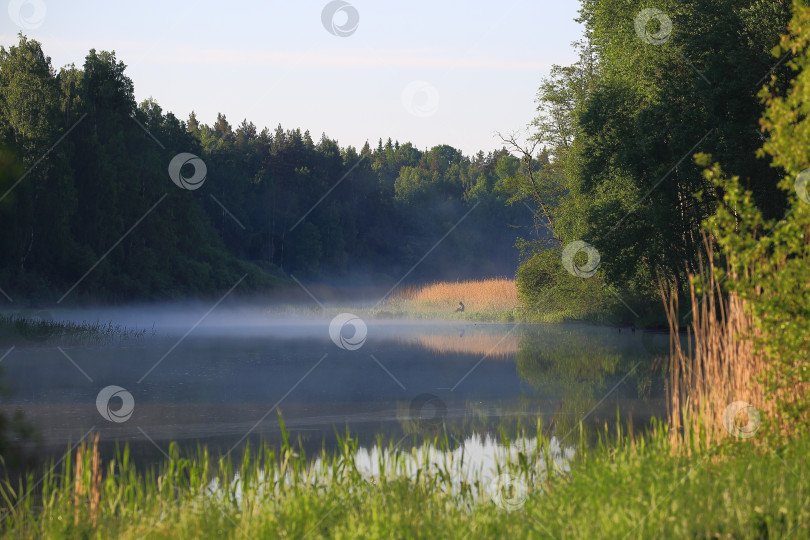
x,y
539,193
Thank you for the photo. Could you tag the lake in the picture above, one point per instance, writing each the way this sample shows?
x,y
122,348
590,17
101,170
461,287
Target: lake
x,y
221,380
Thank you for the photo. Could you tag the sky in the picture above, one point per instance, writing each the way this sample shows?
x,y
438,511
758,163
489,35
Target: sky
x,y
441,72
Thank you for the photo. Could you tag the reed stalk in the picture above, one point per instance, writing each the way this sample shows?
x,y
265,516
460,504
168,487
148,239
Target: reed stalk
x,y
87,481
718,366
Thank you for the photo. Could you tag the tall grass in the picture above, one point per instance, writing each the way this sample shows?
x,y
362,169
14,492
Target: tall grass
x,y
487,296
718,365
266,493
625,487
28,329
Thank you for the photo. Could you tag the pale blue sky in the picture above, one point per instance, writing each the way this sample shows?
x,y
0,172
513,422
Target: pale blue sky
x,y
480,63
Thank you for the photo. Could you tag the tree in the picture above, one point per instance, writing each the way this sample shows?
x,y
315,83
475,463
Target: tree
x,y
766,260
30,122
654,107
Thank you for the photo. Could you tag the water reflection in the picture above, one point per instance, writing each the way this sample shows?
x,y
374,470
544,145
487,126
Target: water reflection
x,y
475,470
223,383
478,339
584,366
477,460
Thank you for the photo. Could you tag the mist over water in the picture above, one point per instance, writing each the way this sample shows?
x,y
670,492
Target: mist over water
x,y
220,377
250,320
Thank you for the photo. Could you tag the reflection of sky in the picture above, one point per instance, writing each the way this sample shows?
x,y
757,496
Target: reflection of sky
x,y
477,460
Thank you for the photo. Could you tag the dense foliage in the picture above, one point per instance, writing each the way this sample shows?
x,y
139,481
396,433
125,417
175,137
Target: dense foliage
x,y
85,167
768,260
654,84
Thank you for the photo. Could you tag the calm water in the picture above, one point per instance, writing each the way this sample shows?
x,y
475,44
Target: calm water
x,y
223,381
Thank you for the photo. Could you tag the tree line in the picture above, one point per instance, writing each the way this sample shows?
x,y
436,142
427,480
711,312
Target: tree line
x,y
87,197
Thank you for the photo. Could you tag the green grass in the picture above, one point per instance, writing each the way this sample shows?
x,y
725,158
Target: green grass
x,y
623,489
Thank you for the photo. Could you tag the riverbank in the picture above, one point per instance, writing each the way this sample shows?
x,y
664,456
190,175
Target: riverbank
x,y
498,300
626,487
485,300
491,300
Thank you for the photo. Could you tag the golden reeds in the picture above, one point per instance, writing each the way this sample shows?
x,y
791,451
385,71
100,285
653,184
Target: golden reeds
x,y
718,366
78,484
87,455
477,295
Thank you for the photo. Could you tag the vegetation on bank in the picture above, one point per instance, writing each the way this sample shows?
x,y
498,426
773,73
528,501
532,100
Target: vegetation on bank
x,y
750,300
38,327
529,299
652,86
626,487
490,294
492,299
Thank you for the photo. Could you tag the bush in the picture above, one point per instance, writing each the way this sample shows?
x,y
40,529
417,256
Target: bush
x,y
549,293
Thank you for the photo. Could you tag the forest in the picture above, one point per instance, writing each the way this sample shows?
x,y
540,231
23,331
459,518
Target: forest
x,y
608,163
85,172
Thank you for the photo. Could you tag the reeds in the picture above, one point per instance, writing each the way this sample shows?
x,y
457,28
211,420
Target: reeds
x,y
625,486
87,481
718,366
24,329
478,295
249,493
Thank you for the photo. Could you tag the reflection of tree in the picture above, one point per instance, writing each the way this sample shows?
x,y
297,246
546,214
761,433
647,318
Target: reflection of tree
x,y
503,419
575,365
14,432
570,367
